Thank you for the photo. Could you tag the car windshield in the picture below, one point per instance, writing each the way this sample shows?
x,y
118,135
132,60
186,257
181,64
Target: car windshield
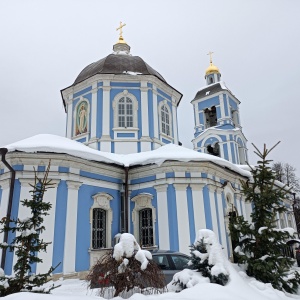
x,y
180,262
162,261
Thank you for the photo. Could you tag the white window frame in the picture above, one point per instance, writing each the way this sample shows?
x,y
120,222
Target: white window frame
x,y
143,201
115,104
102,200
164,135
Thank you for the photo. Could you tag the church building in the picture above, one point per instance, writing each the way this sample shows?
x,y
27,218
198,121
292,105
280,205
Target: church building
x,y
121,167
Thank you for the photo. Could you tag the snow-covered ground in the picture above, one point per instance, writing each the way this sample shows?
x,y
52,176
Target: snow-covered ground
x,y
240,287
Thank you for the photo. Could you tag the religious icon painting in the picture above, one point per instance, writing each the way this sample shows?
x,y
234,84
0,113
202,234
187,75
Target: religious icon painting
x,y
81,117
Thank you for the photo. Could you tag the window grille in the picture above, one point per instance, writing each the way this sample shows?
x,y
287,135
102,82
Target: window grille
x,y
125,112
99,228
146,227
165,120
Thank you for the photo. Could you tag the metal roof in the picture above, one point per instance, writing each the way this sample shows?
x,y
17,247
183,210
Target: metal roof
x,y
117,64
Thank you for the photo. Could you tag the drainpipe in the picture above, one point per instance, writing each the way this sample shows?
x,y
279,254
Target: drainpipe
x,y
3,152
125,220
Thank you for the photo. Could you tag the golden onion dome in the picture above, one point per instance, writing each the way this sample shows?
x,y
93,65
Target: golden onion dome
x,y
212,69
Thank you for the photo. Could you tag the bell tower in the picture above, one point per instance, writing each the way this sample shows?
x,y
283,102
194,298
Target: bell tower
x,y
218,129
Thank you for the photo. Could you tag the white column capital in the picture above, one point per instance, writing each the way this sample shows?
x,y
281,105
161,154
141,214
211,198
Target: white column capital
x,y
219,190
197,186
73,185
180,186
4,184
212,188
161,187
106,88
144,89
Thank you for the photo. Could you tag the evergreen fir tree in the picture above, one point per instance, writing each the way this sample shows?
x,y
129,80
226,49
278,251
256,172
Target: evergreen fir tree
x,y
200,261
199,258
260,243
27,242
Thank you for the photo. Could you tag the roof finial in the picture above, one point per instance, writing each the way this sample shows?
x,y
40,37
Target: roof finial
x,y
121,40
210,56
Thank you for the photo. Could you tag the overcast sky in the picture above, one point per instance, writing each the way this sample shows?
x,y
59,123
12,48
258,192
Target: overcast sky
x,y
256,45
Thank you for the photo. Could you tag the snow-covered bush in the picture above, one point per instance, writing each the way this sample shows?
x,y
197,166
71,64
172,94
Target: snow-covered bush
x,y
207,258
126,268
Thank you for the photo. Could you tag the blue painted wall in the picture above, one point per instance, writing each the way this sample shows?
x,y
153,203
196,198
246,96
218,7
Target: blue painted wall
x,y
190,206
60,226
83,237
172,213
207,208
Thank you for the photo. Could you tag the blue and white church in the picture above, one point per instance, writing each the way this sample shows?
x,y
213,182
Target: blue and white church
x,y
121,167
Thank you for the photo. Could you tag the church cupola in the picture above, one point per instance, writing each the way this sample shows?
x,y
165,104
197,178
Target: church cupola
x,y
121,47
212,73
120,104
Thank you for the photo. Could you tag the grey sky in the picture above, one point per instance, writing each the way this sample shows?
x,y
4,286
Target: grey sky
x,y
45,44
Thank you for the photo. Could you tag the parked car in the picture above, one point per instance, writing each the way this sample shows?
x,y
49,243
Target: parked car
x,y
170,262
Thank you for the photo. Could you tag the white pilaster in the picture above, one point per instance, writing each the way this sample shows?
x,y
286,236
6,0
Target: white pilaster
x,y
70,116
198,204
162,216
222,220
48,234
105,139
213,210
222,107
71,226
94,117
155,114
182,218
23,211
175,128
144,109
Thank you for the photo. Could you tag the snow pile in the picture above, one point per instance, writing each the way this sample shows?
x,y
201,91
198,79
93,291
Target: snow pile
x,y
129,247
240,287
187,278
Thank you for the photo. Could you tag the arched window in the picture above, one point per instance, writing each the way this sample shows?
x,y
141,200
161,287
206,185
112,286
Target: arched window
x,y
165,120
125,106
125,112
210,117
213,149
99,228
146,227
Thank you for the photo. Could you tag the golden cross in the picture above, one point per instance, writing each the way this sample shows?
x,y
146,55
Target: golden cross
x,y
210,56
120,28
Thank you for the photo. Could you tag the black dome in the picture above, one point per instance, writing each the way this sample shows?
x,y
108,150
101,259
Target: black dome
x,y
117,64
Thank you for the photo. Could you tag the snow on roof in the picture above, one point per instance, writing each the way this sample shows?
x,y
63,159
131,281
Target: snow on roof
x,y
222,83
57,144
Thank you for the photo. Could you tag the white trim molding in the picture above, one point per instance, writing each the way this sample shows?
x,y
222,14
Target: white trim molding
x,y
142,201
